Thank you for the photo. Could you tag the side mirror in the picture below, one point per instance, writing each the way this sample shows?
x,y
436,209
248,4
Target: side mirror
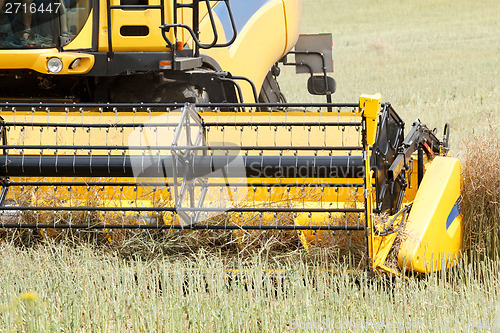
x,y
321,85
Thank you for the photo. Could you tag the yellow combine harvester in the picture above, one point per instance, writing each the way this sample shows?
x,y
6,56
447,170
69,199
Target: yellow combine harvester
x,y
167,114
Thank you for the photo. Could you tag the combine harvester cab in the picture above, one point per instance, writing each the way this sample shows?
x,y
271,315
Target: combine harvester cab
x,y
177,123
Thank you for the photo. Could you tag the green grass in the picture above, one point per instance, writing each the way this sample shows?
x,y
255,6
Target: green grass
x,y
434,60
83,290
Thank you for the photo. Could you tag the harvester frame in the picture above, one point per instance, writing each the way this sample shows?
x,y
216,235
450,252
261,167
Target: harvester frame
x,y
81,150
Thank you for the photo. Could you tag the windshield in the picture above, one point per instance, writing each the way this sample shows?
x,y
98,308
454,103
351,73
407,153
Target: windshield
x,y
41,23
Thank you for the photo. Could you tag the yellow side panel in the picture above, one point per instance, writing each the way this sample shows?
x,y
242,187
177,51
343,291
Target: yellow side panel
x,y
293,18
151,18
434,228
371,106
25,58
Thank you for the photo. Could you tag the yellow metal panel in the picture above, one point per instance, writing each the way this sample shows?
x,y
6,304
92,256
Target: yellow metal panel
x,y
153,42
293,18
24,58
383,244
381,248
37,60
434,227
308,237
371,106
370,197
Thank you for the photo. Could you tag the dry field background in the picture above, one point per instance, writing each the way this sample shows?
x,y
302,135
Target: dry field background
x,y
434,60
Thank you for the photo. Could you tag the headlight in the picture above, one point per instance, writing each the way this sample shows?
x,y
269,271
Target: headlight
x,y
54,65
75,63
